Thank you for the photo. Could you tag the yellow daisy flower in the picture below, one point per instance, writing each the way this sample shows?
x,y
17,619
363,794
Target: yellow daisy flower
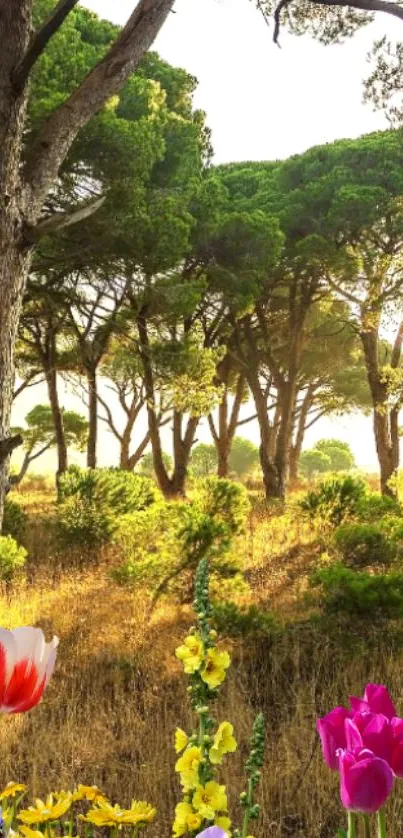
x,y
91,793
209,799
107,815
224,743
225,824
12,789
27,832
186,819
213,673
53,808
188,766
191,653
181,740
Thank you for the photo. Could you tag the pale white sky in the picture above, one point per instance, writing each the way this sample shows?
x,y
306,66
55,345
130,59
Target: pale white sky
x,y
261,102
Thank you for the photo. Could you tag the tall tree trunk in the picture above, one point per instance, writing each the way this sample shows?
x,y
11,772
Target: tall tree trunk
x,y
15,258
92,417
57,416
266,436
296,447
385,419
223,436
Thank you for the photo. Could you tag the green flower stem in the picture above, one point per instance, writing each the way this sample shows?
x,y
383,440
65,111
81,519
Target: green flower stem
x,y
367,828
382,824
352,822
248,804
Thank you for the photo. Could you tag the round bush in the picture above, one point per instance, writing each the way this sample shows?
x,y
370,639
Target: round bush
x,y
362,545
14,520
12,557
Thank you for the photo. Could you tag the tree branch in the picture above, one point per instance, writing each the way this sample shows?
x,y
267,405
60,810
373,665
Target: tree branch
x,y
61,128
277,19
39,41
63,219
366,6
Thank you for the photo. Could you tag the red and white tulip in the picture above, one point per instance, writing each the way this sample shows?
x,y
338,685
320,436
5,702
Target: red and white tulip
x,y
26,665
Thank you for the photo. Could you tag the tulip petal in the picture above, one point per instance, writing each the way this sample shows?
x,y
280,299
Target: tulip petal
x,y
8,653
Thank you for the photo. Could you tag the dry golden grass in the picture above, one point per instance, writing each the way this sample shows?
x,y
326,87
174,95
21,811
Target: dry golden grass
x,y
118,693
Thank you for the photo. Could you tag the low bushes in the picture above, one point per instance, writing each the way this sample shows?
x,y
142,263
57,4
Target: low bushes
x,y
334,500
12,558
91,502
359,594
364,544
14,520
162,543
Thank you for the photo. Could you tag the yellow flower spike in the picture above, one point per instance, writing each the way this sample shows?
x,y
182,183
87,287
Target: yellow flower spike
x,y
55,806
191,653
12,789
224,743
91,793
181,740
225,824
105,814
214,671
209,799
188,766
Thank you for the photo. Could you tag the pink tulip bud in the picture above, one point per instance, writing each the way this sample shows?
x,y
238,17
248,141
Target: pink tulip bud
x,y
365,781
397,747
372,731
376,699
26,665
332,734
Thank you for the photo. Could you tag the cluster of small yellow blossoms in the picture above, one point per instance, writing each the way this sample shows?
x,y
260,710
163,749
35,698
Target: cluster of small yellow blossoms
x,y
53,815
204,804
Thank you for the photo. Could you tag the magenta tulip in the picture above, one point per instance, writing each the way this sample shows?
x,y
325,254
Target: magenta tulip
x,y
365,781
372,731
332,734
376,699
212,832
397,747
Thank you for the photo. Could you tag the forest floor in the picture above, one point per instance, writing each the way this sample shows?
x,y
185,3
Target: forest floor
x,y
118,692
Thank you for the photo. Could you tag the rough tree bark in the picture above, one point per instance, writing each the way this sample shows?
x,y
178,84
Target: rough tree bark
x,y
91,373
173,486
296,446
223,434
24,190
385,417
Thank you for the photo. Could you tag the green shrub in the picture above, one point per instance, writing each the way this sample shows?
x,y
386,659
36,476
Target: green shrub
x,y
364,544
224,501
163,544
374,506
12,558
359,594
91,501
233,621
334,500
14,520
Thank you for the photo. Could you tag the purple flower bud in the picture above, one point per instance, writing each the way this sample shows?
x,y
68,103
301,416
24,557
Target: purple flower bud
x,y
365,781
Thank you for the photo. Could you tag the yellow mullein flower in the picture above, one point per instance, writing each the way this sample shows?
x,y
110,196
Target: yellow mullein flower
x,y
224,743
225,824
188,766
181,740
191,653
213,673
209,799
186,819
12,789
53,808
107,815
91,793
